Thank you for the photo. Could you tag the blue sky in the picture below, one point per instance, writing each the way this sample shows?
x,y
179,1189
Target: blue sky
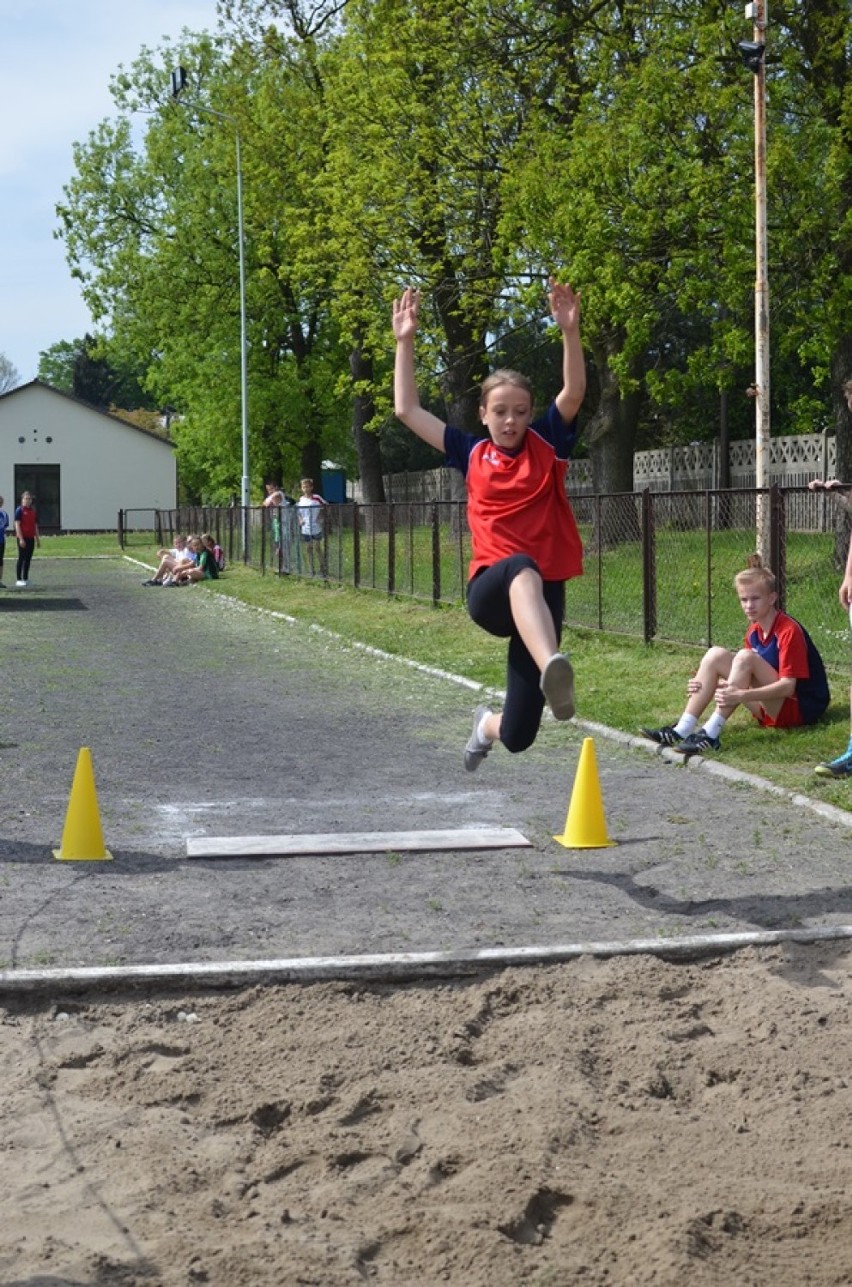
x,y
58,58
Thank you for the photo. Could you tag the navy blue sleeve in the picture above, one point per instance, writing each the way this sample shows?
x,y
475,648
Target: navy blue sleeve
x,y
561,434
457,447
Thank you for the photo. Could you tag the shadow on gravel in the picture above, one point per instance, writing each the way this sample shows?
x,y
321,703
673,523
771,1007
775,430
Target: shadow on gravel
x,y
42,605
769,911
124,862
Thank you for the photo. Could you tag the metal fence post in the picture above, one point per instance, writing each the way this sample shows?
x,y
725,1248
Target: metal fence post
x,y
121,529
356,546
597,528
649,572
391,548
708,529
777,541
263,535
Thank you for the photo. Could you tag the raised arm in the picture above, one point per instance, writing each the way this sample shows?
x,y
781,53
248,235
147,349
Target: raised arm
x,y
405,396
565,308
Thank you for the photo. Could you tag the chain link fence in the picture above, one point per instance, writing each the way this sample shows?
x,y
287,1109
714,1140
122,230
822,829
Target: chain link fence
x,y
658,565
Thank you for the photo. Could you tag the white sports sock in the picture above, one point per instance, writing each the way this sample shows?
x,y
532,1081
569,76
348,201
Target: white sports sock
x,y
685,725
480,732
714,725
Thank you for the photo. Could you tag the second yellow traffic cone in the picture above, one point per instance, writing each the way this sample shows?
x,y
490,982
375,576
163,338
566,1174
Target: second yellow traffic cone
x,y
82,837
585,826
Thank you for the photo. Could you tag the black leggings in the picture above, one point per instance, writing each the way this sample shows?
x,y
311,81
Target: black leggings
x,y
488,605
25,558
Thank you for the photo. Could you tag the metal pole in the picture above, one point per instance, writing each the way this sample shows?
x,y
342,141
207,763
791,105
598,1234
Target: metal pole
x,y
761,290
244,482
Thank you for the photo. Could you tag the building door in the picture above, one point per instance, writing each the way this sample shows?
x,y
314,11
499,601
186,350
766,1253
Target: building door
x,y
43,482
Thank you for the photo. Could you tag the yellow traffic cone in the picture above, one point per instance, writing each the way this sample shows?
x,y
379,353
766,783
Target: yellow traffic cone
x,y
82,838
585,826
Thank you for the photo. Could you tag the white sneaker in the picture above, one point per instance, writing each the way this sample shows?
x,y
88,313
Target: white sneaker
x,y
477,747
20,584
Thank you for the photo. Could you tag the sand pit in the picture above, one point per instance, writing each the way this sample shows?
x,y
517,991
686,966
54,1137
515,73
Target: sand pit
x,y
626,1121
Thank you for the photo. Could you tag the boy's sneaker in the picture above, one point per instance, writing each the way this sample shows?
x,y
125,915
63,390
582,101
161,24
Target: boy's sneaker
x,y
477,747
557,684
839,768
698,743
665,736
20,584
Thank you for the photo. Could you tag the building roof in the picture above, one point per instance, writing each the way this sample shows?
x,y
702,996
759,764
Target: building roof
x,y
89,406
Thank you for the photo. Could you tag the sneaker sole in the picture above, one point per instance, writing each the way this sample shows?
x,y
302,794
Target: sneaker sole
x,y
557,684
659,741
473,759
823,771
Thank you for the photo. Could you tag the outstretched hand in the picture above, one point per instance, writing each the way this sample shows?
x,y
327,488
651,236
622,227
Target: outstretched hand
x,y
405,313
564,305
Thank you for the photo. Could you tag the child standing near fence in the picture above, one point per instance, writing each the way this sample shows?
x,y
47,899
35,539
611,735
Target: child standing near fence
x,y
524,537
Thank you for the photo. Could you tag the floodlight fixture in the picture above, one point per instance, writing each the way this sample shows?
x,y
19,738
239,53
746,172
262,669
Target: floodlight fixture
x,y
751,52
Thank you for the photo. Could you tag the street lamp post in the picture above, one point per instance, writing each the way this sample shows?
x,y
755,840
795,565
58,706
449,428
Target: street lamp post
x,y
753,53
178,84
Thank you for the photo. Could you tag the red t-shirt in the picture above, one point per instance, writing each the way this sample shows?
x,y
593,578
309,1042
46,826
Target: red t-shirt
x,y
28,519
516,502
789,649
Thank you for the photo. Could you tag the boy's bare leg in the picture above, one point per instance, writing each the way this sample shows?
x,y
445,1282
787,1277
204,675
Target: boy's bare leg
x,y
716,664
750,670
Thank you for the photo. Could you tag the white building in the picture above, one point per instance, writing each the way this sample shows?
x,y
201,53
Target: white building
x,y
81,465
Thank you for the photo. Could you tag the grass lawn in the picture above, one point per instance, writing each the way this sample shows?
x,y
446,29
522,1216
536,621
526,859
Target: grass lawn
x,y
621,682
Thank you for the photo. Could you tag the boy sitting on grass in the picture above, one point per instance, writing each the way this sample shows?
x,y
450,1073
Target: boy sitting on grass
x,y
779,675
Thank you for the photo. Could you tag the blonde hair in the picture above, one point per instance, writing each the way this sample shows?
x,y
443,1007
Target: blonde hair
x,y
755,571
504,376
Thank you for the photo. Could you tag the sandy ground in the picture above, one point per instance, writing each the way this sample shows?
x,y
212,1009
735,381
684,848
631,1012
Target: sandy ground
x,y
624,1121
619,1122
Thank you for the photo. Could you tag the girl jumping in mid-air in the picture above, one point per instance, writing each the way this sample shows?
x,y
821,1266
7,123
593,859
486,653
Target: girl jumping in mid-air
x,y
524,537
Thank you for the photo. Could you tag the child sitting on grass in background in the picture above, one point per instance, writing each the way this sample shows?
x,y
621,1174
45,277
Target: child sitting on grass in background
x,y
779,675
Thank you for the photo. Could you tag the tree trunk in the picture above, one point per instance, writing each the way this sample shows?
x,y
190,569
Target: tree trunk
x,y
611,435
465,371
367,443
311,458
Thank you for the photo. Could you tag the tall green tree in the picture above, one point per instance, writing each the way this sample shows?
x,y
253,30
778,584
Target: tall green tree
x,y
469,148
87,369
153,234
